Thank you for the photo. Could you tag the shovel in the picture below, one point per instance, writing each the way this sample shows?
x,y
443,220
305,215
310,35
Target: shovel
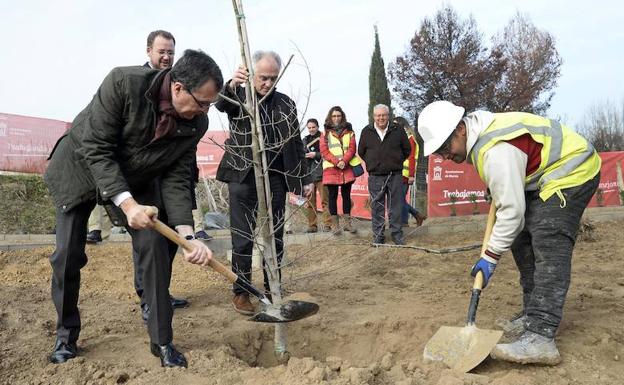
x,y
462,349
288,311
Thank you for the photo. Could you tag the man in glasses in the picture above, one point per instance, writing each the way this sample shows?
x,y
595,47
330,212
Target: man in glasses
x,y
284,151
129,149
541,176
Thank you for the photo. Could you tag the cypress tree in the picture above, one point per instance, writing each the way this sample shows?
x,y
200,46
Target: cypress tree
x,y
378,92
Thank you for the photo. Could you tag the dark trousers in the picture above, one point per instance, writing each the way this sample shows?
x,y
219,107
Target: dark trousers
x,y
243,209
543,254
386,190
345,192
69,257
172,249
407,208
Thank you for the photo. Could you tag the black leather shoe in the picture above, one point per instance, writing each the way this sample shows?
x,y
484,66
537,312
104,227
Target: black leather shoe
x,y
379,240
179,303
398,240
63,352
94,236
168,355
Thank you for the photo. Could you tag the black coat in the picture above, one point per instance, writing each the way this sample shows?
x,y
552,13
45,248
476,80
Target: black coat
x,y
315,165
383,158
109,148
279,124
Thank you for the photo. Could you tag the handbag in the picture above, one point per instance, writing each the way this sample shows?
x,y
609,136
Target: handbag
x,y
356,166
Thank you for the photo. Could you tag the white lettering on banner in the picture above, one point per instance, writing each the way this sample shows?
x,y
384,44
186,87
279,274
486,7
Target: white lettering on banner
x,y
205,158
607,185
40,148
463,194
3,128
358,187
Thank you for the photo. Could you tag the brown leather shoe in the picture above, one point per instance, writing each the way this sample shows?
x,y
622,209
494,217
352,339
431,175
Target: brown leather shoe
x,y
241,304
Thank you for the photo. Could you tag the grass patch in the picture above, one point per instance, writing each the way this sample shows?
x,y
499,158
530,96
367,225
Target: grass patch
x,y
25,206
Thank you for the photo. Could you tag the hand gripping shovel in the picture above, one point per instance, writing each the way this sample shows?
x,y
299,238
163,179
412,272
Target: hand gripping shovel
x,y
288,311
462,349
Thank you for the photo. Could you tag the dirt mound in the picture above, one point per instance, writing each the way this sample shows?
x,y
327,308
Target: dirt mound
x,y
379,307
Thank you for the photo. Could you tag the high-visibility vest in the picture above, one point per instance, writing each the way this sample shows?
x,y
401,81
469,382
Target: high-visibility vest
x,y
338,149
406,161
567,159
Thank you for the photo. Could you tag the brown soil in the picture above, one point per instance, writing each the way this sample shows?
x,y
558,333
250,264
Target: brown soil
x,y
379,307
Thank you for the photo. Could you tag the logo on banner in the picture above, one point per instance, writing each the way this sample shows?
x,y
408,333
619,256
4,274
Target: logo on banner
x,y
437,173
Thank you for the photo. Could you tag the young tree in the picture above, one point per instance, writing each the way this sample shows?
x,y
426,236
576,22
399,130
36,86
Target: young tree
x,y
378,92
603,126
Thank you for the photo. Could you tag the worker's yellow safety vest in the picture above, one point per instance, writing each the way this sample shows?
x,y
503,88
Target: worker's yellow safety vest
x,y
568,159
406,162
338,149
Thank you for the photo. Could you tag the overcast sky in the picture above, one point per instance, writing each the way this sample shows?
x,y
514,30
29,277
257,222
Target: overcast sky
x,y
56,53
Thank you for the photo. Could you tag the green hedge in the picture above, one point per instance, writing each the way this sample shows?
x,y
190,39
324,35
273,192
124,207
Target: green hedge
x,y
25,206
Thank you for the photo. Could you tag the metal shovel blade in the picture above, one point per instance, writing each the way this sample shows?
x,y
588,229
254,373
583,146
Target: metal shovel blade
x,y
461,349
288,311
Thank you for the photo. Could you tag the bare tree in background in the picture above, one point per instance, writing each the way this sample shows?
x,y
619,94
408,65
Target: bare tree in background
x,y
603,126
531,68
447,60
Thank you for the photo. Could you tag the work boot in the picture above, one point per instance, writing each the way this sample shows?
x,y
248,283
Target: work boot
x,y
513,328
336,224
531,348
398,240
243,305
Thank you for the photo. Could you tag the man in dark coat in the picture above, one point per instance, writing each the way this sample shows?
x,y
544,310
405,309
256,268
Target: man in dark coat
x,y
384,146
161,53
129,149
284,151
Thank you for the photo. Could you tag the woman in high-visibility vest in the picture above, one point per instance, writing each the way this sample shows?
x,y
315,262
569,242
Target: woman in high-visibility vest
x,y
339,152
409,171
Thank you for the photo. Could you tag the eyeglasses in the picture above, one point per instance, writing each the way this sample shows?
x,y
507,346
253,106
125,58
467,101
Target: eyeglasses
x,y
202,105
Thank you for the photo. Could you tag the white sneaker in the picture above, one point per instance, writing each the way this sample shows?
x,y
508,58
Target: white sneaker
x,y
531,348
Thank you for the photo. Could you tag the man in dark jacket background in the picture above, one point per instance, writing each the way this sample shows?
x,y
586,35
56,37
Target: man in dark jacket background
x,y
132,146
314,161
384,146
284,151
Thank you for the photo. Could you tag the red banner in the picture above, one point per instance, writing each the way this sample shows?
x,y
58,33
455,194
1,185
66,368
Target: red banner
x,y
456,189
26,142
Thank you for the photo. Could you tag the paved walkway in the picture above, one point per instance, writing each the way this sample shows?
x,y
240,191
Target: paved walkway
x,y
221,242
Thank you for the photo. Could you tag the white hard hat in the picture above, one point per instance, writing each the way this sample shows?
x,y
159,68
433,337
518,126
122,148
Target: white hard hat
x,y
436,123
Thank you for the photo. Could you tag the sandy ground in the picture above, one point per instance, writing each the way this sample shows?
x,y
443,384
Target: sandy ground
x,y
379,307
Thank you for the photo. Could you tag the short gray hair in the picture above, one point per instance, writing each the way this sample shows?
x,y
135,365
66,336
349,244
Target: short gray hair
x,y
259,55
379,106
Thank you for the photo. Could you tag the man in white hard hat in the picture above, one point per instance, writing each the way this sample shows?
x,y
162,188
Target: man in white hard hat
x,y
541,176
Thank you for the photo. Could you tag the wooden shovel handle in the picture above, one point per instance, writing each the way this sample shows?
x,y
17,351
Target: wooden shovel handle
x,y
173,236
478,282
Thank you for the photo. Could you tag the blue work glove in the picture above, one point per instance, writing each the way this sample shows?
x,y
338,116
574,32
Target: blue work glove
x,y
486,264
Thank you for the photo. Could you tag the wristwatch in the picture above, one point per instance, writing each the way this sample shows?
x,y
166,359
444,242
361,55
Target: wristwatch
x,y
189,237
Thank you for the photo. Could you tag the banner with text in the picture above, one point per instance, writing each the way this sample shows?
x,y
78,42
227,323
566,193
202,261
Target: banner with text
x,y
456,189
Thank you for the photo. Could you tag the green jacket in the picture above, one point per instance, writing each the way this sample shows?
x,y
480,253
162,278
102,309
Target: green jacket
x,y
109,147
